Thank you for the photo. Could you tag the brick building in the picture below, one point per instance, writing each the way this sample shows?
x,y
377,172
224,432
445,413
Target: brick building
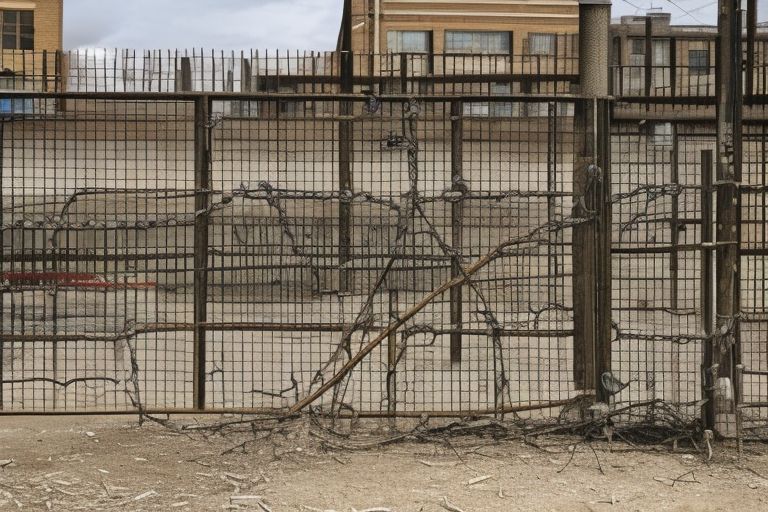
x,y
32,36
461,26
32,25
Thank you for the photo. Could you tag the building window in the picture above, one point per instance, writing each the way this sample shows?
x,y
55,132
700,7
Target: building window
x,y
661,134
637,46
408,41
661,52
18,30
491,108
541,44
698,62
459,41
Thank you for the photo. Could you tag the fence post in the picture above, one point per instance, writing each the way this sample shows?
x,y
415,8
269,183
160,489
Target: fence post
x,y
673,66
604,311
583,254
184,81
648,60
457,157
44,71
707,286
674,256
404,73
751,32
728,164
202,199
591,263
345,148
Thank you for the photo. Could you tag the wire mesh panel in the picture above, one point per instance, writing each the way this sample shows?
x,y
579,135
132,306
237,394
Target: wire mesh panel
x,y
657,263
96,215
754,289
335,218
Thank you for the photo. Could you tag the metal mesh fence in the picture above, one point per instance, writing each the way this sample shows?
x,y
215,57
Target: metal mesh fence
x,y
135,277
378,255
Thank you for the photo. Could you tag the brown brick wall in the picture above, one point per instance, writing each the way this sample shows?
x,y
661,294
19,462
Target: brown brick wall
x,y
48,21
559,17
48,39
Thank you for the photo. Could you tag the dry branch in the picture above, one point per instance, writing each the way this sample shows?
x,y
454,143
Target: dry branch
x,y
531,237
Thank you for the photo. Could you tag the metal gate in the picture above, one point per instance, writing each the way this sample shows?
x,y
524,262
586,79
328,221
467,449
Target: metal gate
x,y
232,253
365,255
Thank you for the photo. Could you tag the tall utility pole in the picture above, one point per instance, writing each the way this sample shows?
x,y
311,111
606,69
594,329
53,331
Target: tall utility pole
x,y
724,345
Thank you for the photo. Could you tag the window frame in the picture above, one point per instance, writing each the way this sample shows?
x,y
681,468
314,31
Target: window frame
x,y
400,33
662,134
635,44
506,47
699,69
550,52
19,34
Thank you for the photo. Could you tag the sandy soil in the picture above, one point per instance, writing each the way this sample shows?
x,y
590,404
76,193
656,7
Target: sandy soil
x,y
111,463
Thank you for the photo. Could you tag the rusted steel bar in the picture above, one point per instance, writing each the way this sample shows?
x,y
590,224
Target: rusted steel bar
x,y
457,159
552,136
45,71
280,413
673,66
584,251
751,31
202,201
603,242
268,327
674,258
707,279
648,59
345,147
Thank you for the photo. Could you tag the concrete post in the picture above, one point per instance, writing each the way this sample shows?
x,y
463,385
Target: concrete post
x,y
594,27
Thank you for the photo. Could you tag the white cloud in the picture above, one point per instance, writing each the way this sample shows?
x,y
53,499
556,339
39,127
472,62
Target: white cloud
x,y
222,24
262,24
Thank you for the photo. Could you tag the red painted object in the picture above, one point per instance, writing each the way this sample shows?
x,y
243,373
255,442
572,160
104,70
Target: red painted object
x,y
70,280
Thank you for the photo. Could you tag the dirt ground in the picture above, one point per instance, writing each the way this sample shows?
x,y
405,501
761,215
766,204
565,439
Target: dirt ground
x,y
111,463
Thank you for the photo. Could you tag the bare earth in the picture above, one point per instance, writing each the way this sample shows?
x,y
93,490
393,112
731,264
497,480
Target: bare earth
x,y
111,463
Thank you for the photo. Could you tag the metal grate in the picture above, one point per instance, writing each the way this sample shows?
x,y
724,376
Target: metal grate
x,y
166,254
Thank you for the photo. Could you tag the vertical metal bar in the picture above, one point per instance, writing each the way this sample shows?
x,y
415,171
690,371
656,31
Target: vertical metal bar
x,y
345,148
583,251
457,158
751,32
673,66
707,286
648,60
392,350
202,199
45,71
604,271
186,74
674,257
552,251
345,186
404,73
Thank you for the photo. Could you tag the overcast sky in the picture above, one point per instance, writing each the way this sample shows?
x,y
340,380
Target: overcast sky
x,y
261,24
